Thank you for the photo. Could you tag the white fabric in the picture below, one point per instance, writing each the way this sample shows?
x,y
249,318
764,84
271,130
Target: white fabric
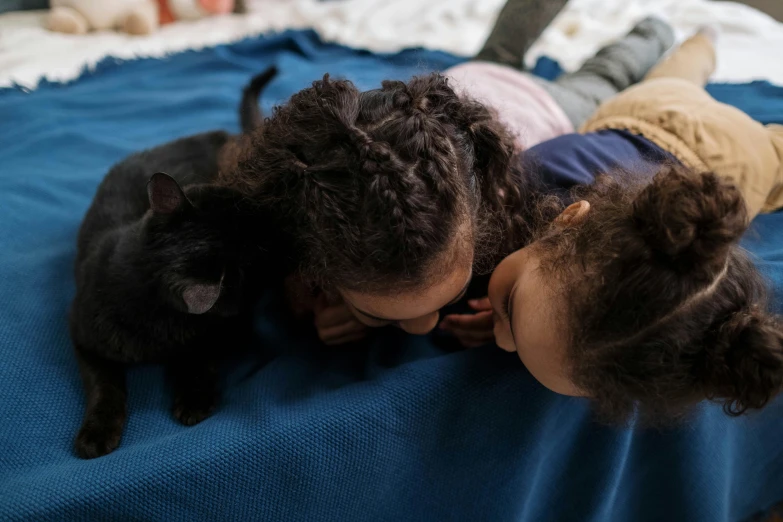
x,y
749,47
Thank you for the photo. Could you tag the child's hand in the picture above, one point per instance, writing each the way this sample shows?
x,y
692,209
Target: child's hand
x,y
336,323
472,330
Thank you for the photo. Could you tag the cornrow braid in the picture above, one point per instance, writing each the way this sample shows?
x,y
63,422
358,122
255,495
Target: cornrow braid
x,y
375,186
390,182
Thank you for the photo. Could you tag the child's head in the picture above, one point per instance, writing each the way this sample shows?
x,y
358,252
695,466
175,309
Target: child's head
x,y
639,296
392,196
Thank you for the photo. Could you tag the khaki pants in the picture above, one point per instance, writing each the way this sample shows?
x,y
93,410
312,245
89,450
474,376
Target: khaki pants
x,y
672,109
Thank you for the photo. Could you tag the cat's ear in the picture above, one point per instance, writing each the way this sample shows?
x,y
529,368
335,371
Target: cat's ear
x,y
165,194
200,298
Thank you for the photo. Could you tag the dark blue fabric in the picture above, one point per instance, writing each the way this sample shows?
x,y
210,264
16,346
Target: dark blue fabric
x,y
576,159
18,5
401,430
547,68
760,99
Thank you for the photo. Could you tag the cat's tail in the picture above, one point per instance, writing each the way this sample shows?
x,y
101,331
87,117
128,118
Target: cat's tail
x,y
250,116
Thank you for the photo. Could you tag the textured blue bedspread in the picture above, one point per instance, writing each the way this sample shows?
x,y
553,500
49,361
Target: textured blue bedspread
x,y
399,431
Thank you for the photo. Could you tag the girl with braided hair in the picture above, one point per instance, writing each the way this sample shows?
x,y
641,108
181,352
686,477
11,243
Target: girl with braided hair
x,y
395,194
408,190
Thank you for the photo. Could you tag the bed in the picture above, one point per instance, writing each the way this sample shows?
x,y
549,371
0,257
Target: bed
x,y
398,430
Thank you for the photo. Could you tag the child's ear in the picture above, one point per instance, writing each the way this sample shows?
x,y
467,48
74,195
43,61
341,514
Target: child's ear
x,y
574,214
165,194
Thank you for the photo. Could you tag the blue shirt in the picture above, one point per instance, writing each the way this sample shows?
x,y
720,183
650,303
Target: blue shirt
x,y
559,164
576,159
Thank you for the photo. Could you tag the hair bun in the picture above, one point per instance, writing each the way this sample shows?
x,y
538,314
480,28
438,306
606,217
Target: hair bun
x,y
690,218
744,365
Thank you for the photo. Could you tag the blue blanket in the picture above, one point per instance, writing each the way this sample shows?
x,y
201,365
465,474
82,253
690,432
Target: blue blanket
x,y
398,431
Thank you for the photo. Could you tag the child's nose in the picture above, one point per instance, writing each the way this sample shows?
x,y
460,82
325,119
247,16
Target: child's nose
x,y
420,325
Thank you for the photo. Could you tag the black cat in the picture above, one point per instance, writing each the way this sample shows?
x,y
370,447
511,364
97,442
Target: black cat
x,y
162,273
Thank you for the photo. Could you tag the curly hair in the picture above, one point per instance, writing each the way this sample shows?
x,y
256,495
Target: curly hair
x,y
374,187
664,307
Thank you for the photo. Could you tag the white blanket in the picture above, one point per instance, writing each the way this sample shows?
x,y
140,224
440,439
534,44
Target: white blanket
x,y
749,48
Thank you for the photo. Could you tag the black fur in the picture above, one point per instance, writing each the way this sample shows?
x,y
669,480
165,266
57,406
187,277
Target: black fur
x,y
162,276
250,116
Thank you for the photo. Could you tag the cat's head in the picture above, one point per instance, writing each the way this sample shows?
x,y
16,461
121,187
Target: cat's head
x,y
193,238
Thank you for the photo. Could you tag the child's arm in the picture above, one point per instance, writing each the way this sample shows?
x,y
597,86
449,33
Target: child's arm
x,y
334,322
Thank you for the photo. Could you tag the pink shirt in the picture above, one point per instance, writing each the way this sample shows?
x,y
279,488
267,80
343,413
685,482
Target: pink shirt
x,y
526,109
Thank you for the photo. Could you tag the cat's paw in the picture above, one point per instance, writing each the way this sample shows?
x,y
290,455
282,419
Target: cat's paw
x,y
96,441
192,410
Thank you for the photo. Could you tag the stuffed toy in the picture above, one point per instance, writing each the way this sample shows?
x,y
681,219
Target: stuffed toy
x,y
129,16
172,10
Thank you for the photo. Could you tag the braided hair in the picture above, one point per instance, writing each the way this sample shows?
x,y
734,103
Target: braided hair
x,y
375,186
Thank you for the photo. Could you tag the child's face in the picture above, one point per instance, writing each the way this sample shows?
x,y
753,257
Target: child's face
x,y
529,311
415,311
